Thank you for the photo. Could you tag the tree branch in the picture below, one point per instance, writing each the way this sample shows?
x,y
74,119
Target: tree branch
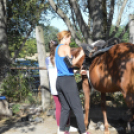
x,y
73,18
83,27
110,18
121,34
66,20
121,12
104,14
124,31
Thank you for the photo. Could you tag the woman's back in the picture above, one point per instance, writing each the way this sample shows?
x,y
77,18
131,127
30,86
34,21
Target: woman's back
x,y
62,68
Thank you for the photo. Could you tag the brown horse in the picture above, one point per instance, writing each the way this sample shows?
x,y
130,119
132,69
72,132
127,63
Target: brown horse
x,y
110,72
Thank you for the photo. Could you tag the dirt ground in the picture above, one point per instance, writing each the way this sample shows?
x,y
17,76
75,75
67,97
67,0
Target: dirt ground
x,y
116,118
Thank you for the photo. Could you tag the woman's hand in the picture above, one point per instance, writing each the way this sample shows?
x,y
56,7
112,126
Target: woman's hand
x,y
81,53
76,59
83,72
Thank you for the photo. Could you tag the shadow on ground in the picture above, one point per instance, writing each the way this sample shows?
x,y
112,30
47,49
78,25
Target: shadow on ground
x,y
16,124
117,119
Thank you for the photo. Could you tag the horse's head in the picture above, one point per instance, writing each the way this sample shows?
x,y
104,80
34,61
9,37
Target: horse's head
x,y
75,53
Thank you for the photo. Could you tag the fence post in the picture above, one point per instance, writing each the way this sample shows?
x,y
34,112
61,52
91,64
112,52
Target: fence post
x,y
131,29
44,82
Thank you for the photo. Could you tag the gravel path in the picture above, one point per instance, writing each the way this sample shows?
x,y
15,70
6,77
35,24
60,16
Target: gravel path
x,y
49,125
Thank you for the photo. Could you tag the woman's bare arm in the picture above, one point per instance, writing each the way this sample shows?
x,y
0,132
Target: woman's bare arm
x,y
74,60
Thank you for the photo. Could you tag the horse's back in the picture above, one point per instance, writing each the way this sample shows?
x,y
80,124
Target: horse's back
x,y
109,70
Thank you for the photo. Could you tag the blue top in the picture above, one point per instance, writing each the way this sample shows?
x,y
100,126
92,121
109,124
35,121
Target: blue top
x,y
62,68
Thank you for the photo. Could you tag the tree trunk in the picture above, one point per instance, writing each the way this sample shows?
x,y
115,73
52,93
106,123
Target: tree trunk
x,y
66,20
104,13
96,11
4,55
44,82
3,33
83,26
131,29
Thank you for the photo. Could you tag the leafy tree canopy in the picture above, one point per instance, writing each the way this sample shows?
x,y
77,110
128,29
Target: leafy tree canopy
x,y
100,15
22,17
50,33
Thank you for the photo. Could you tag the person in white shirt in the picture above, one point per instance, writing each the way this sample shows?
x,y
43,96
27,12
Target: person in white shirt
x,y
52,73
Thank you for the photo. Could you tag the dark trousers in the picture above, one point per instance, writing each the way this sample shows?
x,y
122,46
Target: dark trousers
x,y
69,98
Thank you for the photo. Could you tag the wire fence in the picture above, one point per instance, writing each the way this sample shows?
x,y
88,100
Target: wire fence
x,y
21,81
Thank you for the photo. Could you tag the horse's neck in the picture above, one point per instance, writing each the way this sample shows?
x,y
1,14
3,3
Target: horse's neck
x,y
75,51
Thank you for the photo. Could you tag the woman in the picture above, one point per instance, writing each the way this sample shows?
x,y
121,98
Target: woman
x,y
52,72
66,84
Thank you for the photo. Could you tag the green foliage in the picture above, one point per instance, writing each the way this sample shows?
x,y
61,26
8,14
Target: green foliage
x,y
119,100
73,44
82,97
78,80
78,77
30,48
50,33
14,43
22,17
31,100
23,14
15,108
124,37
16,87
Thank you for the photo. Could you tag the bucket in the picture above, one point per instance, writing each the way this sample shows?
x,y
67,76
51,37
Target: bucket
x,y
2,98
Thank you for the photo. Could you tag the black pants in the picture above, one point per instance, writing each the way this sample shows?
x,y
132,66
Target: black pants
x,y
69,98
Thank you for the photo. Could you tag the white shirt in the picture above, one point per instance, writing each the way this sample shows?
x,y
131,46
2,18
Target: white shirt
x,y
52,73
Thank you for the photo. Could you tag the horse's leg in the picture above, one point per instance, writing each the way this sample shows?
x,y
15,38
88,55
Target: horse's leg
x,y
132,110
86,90
103,107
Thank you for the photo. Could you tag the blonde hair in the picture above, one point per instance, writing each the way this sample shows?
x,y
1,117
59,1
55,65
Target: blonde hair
x,y
63,34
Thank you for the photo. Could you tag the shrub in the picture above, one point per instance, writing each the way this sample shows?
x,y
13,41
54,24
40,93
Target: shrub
x,y
16,87
16,108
